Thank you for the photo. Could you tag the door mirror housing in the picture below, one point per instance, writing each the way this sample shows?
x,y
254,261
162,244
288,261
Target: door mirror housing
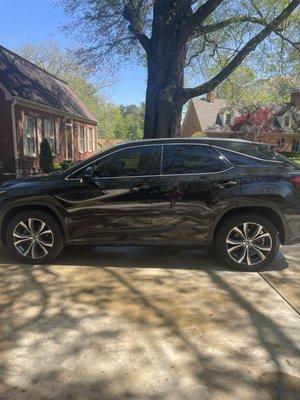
x,y
87,176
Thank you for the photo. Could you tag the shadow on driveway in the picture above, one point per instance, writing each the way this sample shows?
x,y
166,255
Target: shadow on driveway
x,y
144,324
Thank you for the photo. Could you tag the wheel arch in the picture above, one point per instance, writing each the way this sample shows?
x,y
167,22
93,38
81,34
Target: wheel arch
x,y
266,212
13,211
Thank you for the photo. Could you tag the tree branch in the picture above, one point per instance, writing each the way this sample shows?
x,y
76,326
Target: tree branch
x,y
135,24
227,22
201,30
204,11
197,18
189,93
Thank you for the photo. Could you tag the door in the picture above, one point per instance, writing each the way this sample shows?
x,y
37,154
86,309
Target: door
x,y
114,203
196,183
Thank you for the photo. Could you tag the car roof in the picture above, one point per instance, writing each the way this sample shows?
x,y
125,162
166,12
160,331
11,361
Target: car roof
x,y
205,140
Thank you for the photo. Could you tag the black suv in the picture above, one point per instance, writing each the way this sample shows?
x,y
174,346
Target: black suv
x,y
238,196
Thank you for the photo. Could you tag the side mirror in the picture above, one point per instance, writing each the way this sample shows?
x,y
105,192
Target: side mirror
x,y
87,176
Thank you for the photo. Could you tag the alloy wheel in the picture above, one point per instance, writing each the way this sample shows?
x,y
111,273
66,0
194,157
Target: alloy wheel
x,y
249,244
33,238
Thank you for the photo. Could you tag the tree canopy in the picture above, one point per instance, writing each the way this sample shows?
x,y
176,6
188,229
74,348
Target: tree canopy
x,y
114,121
173,37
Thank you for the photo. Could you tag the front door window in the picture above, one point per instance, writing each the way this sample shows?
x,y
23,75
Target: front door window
x,y
130,162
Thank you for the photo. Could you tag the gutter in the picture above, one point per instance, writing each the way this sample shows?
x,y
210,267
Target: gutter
x,y
14,129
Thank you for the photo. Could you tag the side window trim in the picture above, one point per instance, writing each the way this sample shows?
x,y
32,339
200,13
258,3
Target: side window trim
x,y
230,165
69,177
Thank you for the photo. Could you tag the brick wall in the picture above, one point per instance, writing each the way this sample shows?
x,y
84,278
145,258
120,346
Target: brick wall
x,y
191,124
32,163
6,136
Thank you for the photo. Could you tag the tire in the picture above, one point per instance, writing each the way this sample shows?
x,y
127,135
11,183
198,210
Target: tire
x,y
27,245
247,242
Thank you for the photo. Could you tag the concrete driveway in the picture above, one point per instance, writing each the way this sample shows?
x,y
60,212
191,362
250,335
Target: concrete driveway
x,y
146,324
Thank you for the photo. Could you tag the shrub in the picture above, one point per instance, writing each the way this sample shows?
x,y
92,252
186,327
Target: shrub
x,y
198,134
57,167
46,157
66,164
290,154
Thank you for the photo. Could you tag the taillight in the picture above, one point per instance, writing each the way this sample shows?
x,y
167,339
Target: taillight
x,y
295,180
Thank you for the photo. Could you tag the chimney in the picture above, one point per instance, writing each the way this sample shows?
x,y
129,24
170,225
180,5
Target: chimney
x,y
211,96
295,98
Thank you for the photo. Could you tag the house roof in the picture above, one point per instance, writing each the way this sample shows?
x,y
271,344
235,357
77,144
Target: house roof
x,y
25,80
208,113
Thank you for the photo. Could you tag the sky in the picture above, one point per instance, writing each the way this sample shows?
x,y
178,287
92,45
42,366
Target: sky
x,y
39,21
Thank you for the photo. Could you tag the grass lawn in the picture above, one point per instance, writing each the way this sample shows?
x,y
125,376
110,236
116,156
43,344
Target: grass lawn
x,y
297,160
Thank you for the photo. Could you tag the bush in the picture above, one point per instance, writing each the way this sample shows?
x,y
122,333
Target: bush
x,y
290,154
57,167
46,157
198,135
66,164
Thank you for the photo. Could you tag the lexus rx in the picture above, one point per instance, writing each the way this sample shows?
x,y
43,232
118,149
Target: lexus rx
x,y
238,196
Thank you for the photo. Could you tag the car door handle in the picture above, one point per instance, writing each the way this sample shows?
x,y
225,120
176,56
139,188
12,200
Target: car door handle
x,y
227,184
139,187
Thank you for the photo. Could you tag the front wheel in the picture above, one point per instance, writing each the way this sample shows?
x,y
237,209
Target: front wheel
x,y
34,237
248,242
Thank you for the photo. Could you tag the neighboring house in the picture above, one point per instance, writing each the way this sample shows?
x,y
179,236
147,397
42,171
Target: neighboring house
x,y
35,105
208,117
213,117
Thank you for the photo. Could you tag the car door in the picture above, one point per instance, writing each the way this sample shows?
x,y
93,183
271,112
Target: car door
x,y
196,183
110,200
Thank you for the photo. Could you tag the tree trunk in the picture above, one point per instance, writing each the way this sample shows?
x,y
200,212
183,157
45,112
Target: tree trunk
x,y
164,102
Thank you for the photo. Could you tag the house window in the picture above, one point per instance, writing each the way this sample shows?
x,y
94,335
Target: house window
x,y
50,133
81,139
227,119
29,136
91,140
39,128
296,146
281,143
287,121
57,138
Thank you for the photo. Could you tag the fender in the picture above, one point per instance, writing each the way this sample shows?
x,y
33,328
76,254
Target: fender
x,y
253,205
46,204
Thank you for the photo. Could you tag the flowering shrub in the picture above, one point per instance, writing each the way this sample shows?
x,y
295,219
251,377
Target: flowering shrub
x,y
258,121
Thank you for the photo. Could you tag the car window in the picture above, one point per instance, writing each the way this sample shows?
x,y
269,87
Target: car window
x,y
248,149
189,159
243,159
135,161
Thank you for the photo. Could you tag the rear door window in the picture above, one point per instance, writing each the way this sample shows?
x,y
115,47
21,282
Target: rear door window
x,y
191,159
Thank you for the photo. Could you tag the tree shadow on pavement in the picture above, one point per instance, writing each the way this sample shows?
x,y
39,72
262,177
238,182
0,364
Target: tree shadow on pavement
x,y
142,324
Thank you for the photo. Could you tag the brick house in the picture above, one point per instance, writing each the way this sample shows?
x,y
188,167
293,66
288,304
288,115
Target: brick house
x,y
212,117
35,105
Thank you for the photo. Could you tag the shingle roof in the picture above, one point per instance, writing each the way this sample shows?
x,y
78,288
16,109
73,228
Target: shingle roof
x,y
208,112
25,80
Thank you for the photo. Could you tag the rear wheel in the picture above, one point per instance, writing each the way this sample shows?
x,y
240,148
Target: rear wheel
x,y
34,237
248,242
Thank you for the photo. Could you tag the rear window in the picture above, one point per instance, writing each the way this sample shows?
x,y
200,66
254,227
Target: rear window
x,y
255,155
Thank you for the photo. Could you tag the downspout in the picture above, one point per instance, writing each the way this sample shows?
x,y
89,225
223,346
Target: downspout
x,y
14,130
